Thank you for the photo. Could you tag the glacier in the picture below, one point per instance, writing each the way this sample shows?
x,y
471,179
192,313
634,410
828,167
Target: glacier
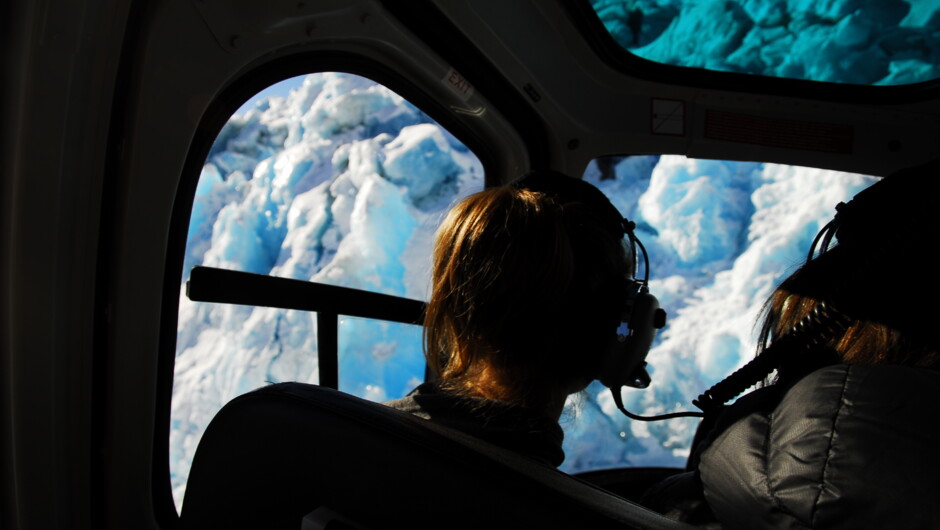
x,y
344,182
868,42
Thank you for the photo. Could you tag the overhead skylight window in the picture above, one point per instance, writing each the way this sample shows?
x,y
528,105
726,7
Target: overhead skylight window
x,y
885,42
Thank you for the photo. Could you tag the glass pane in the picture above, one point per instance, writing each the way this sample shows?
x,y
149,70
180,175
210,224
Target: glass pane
x,y
887,42
379,361
720,236
223,351
329,178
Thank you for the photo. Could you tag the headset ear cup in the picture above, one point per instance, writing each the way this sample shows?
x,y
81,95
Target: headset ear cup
x,y
625,361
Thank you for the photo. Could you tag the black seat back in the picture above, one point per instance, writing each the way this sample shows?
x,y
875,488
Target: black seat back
x,y
272,456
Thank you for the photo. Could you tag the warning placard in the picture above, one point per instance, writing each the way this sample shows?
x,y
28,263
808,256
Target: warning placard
x,y
779,132
457,84
667,117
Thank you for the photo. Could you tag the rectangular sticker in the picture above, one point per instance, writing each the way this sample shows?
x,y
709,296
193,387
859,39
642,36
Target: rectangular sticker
x,y
779,132
458,85
667,117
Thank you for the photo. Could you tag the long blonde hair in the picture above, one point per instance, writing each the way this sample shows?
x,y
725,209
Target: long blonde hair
x,y
524,291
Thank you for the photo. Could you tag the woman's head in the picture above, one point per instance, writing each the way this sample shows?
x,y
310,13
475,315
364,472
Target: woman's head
x,y
879,276
526,290
879,330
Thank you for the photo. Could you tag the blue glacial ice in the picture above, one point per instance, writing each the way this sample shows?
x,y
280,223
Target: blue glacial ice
x,y
880,42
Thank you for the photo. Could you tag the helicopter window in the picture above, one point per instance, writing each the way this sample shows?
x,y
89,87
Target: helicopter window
x,y
720,235
330,178
382,360
864,43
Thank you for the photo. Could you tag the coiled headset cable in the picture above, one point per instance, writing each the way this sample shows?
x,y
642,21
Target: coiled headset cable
x,y
812,331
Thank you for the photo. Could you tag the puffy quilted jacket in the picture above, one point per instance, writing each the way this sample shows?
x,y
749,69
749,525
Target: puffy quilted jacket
x,y
849,446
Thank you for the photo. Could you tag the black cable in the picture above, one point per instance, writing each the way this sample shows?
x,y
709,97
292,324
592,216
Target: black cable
x,y
822,322
826,234
618,400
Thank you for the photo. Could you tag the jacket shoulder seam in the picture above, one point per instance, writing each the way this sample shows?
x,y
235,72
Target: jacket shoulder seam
x,y
829,450
771,489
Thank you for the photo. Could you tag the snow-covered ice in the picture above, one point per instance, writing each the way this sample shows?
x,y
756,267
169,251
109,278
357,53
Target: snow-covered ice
x,y
868,42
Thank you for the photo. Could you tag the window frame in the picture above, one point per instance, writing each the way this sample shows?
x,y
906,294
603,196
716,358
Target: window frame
x,y
255,78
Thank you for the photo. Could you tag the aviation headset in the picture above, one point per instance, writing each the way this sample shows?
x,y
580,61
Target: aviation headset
x,y
855,222
641,316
